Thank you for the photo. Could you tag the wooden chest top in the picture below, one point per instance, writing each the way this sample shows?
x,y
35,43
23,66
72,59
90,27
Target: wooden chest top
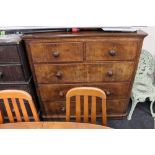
x,y
86,34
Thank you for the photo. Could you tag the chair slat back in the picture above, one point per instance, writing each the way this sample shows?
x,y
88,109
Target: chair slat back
x,y
8,110
86,109
21,96
24,111
93,110
1,117
86,92
15,107
78,109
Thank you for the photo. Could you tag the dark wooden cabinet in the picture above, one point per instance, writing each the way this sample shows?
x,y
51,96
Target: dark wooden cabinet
x,y
14,68
62,60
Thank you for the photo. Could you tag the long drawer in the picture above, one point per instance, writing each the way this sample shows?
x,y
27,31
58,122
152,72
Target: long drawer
x,y
57,52
74,73
57,109
112,50
52,92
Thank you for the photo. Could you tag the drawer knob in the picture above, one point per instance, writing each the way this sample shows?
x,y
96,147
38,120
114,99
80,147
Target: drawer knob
x,y
112,52
59,75
1,75
61,94
108,93
110,73
62,109
56,54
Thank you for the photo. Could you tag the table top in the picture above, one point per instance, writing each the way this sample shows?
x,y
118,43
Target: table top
x,y
51,125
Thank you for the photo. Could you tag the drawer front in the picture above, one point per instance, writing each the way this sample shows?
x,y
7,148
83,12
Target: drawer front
x,y
57,109
52,92
11,73
9,54
48,73
56,52
111,50
24,87
73,73
110,72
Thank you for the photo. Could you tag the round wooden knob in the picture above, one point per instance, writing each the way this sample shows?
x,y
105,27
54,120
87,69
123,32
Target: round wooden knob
x,y
59,75
61,94
1,75
56,54
108,93
110,73
62,109
112,52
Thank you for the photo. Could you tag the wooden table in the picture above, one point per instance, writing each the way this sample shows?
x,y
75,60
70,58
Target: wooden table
x,y
51,125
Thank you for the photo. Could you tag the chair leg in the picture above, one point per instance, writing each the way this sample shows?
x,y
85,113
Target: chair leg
x,y
151,108
134,103
152,112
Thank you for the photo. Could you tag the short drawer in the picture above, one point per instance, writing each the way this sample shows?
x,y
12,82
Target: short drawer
x,y
11,73
110,72
65,73
57,109
9,54
111,50
56,52
74,73
52,92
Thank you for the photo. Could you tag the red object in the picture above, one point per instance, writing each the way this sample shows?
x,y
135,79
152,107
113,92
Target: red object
x,y
75,29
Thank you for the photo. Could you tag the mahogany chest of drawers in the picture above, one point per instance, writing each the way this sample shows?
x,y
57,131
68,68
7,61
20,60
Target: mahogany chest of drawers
x,y
14,68
63,60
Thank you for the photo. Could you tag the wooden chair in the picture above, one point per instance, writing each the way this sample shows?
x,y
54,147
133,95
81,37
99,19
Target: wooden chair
x,y
21,96
86,92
